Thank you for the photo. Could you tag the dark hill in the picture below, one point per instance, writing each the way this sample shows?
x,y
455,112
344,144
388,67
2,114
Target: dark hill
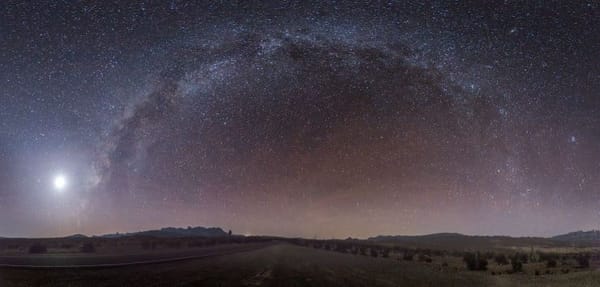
x,y
458,241
175,232
579,236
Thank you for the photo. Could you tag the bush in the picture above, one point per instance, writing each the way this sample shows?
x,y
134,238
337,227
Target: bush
x,y
475,262
88,247
584,261
340,248
408,256
517,266
37,248
551,263
425,258
522,257
148,245
501,259
374,252
547,256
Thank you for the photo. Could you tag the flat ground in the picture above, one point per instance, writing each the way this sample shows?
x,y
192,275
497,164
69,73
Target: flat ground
x,y
287,265
89,260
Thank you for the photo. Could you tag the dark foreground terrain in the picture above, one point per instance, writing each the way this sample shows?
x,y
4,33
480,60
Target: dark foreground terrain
x,y
95,261
287,265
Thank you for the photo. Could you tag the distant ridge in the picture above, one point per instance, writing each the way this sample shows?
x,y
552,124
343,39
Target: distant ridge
x,y
578,236
461,242
76,236
198,231
412,237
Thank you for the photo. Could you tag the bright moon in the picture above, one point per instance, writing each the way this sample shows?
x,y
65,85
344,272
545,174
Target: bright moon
x,y
60,182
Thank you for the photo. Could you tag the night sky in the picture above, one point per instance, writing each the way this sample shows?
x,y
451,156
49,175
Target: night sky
x,y
300,118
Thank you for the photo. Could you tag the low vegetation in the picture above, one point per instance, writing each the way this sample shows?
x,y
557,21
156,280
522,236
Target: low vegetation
x,y
501,263
88,247
37,248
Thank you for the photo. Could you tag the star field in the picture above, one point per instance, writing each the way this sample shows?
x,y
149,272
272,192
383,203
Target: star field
x,y
313,119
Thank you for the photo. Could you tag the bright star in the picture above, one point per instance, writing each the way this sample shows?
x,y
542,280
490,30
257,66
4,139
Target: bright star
x,y
60,182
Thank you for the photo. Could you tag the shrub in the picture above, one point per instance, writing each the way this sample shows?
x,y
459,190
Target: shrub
x,y
88,247
148,244
584,261
374,252
547,256
522,257
408,256
501,259
425,258
475,262
176,244
551,263
195,243
37,248
340,248
517,266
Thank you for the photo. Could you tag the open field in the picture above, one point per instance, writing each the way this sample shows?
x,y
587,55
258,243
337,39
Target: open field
x,y
86,260
289,265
